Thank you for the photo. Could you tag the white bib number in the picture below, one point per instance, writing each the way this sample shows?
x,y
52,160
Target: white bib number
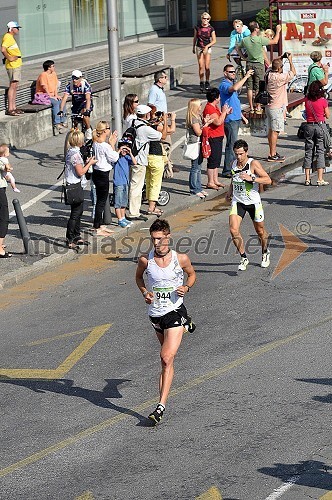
x,y
163,296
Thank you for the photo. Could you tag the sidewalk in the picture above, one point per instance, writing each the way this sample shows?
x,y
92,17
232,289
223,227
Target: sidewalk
x,y
37,168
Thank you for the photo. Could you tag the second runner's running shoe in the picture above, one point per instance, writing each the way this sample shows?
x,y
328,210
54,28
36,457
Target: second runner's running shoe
x,y
243,264
266,259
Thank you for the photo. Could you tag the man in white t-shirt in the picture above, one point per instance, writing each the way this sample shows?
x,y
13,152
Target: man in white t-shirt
x,y
144,134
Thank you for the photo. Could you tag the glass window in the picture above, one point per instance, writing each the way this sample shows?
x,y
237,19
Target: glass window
x,y
46,27
143,16
90,21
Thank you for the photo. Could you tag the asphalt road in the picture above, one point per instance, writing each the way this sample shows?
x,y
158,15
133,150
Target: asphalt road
x,y
250,407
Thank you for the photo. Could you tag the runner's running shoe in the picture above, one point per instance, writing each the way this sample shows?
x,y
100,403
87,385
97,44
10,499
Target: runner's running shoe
x,y
243,264
190,326
157,415
266,259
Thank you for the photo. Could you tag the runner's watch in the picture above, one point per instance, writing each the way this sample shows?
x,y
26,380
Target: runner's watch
x,y
253,177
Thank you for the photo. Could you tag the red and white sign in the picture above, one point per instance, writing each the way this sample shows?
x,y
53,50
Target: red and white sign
x,y
305,30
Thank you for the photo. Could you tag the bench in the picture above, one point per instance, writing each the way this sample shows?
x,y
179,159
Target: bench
x,y
294,99
144,71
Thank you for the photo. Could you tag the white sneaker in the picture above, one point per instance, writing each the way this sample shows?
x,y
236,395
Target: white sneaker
x,y
266,259
243,264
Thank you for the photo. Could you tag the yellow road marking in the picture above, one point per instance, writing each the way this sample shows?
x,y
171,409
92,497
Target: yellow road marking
x,y
327,496
211,494
57,337
147,404
65,366
87,495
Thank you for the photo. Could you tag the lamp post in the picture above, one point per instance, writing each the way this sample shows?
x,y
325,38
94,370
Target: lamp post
x,y
114,62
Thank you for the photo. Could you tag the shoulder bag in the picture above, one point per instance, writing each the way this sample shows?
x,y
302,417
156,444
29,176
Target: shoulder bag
x,y
73,193
326,132
190,150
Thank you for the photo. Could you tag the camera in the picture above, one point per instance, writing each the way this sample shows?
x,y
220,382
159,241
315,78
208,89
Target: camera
x,y
285,55
159,113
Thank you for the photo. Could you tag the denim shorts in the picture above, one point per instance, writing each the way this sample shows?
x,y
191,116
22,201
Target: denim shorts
x,y
121,196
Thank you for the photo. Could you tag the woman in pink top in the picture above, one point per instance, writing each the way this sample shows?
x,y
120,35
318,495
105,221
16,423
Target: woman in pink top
x,y
317,110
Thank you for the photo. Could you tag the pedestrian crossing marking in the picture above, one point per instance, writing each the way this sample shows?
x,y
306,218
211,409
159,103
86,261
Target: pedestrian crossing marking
x,y
327,496
71,360
211,494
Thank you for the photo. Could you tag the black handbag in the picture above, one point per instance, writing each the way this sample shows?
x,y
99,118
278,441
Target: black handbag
x,y
73,194
300,132
263,97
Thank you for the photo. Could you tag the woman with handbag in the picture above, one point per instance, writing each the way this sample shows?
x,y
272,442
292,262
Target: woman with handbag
x,y
194,126
315,132
75,170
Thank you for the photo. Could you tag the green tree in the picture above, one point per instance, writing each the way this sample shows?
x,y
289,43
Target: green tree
x,y
263,18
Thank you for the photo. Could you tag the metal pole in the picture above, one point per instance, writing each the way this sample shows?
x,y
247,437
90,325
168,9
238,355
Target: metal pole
x,y
28,245
115,66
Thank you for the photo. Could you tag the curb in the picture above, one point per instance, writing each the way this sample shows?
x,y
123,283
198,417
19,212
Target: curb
x,y
54,260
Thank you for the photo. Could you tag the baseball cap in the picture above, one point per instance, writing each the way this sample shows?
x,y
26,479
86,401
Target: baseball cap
x,y
76,73
142,109
13,24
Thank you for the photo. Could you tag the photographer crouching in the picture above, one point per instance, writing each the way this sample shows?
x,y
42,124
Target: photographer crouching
x,y
276,86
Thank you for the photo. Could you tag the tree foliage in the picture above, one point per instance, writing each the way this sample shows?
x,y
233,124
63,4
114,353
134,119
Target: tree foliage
x,y
263,18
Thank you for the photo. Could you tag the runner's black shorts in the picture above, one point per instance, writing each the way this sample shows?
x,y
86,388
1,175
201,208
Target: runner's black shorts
x,y
172,319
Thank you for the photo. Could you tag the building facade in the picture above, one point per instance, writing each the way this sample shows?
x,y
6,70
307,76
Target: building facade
x,y
53,27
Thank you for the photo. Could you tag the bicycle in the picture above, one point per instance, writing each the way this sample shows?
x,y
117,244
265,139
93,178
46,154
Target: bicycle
x,y
240,71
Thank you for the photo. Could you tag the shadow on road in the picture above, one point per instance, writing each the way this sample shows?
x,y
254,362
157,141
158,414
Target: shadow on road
x,y
67,388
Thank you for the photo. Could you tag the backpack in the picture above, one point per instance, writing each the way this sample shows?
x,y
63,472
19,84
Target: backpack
x,y
129,137
263,97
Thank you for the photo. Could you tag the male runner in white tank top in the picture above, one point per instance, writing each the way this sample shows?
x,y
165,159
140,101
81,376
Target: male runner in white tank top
x,y
247,175
164,294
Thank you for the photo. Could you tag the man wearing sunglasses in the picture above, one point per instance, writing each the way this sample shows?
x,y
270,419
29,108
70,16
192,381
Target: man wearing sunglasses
x,y
228,95
81,91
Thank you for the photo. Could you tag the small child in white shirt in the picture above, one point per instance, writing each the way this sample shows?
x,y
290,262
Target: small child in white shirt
x,y
4,154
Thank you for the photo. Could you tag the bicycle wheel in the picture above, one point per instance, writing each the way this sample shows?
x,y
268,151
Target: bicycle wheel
x,y
164,198
297,84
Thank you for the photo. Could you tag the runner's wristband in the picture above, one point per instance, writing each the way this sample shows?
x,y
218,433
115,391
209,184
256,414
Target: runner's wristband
x,y
188,288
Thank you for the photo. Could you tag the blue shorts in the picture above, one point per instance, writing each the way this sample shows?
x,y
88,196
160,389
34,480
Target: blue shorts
x,y
121,196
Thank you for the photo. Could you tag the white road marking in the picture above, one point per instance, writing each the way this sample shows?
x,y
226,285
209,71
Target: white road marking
x,y
283,488
37,198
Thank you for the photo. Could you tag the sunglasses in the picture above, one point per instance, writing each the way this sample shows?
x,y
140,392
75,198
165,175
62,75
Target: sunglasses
x,y
137,101
231,71
206,18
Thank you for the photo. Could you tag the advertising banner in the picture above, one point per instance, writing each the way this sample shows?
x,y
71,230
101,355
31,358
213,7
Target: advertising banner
x,y
305,30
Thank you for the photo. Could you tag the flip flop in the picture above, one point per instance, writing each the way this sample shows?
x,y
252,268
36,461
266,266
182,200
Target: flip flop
x,y
12,113
19,111
158,213
5,255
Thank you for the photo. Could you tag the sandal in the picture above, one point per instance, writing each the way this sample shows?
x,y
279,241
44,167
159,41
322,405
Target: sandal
x,y
19,111
12,113
5,255
72,246
82,242
214,186
307,183
156,212
322,183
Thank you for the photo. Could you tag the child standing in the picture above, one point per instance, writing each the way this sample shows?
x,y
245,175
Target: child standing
x,y
4,155
121,178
